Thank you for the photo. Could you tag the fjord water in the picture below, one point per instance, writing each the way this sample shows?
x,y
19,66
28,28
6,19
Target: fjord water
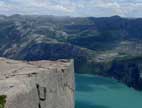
x,y
99,92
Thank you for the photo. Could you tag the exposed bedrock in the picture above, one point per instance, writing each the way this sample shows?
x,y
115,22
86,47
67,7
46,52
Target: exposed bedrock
x,y
39,84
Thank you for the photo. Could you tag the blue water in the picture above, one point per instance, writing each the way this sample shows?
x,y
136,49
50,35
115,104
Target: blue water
x,y
99,92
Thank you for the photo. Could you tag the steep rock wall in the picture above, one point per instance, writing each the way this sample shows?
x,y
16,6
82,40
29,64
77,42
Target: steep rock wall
x,y
128,71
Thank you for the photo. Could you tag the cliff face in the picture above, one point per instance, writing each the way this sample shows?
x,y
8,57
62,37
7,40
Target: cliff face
x,y
39,84
128,71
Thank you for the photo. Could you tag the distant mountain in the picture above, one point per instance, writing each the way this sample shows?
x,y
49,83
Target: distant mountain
x,y
109,46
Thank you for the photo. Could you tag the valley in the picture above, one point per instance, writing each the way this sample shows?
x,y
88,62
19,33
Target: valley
x,y
106,46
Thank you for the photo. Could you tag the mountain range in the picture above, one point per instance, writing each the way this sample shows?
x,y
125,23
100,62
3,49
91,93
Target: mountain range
x,y
107,46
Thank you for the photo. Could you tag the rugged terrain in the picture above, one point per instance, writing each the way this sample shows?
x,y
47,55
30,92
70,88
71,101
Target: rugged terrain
x,y
109,46
39,84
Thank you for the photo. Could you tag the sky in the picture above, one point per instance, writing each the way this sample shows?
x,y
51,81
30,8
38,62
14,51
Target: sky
x,y
81,8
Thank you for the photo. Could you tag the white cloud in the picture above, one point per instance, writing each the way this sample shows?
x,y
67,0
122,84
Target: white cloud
x,y
130,8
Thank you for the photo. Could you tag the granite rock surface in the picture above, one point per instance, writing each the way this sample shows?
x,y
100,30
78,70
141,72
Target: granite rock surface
x,y
38,84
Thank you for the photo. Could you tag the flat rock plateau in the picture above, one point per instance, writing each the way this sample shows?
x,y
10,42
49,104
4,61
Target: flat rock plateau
x,y
37,84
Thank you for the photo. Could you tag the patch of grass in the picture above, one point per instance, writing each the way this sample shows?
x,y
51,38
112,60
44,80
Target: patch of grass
x,y
2,101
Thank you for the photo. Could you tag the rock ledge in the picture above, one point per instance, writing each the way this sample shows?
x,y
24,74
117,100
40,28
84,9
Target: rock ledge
x,y
38,84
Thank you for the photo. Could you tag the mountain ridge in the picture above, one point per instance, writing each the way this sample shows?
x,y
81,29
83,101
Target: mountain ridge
x,y
96,44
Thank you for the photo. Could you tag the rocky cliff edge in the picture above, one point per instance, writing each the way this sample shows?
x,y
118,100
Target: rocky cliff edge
x,y
38,84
